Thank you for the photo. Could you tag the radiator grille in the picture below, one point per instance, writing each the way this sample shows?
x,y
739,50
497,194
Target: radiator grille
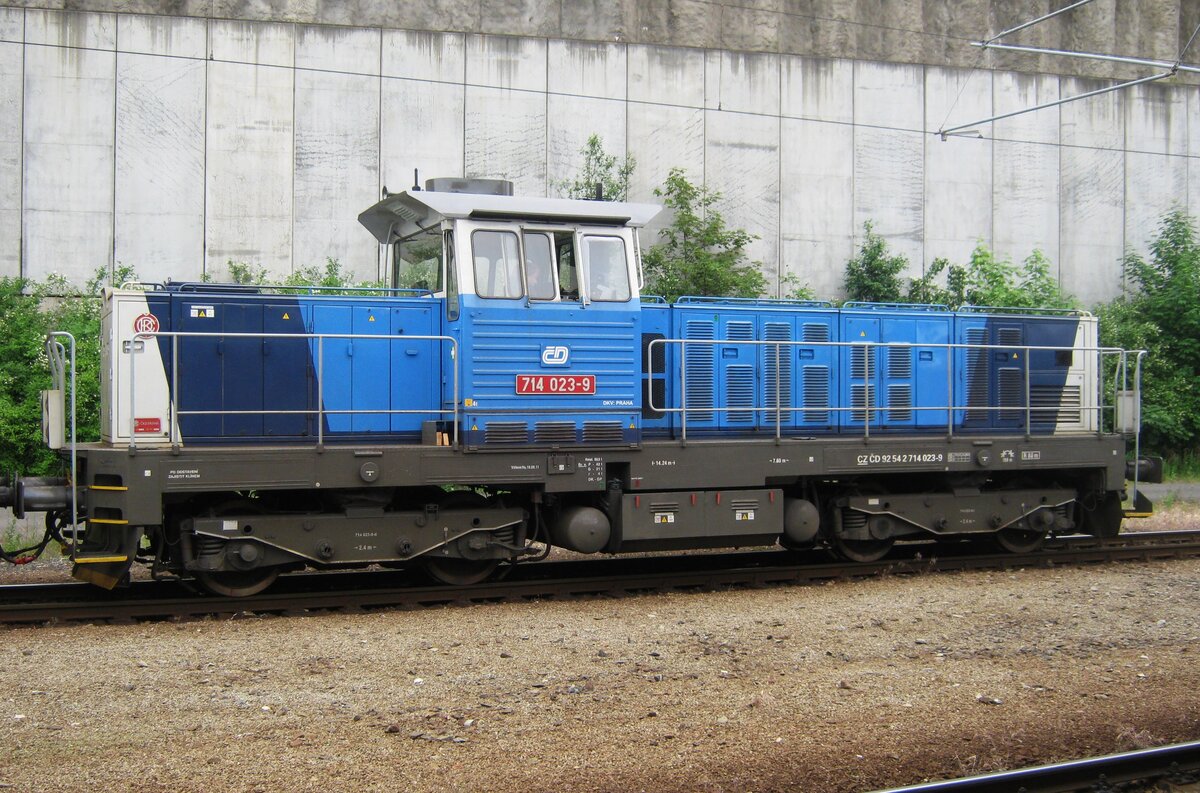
x,y
554,432
816,393
602,432
815,333
1011,393
900,402
698,366
900,362
777,367
739,385
977,375
505,432
1009,335
862,362
862,396
1054,405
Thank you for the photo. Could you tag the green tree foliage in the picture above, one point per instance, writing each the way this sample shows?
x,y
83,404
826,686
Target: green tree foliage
x,y
990,281
1162,315
697,254
599,168
874,274
985,280
28,312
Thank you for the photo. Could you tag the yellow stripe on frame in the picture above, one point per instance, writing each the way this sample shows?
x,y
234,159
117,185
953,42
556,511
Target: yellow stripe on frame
x,y
100,559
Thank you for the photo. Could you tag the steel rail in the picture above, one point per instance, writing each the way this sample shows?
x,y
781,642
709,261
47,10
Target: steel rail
x,y
1096,773
339,590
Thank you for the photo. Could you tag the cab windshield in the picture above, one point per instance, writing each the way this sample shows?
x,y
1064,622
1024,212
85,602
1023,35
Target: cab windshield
x,y
417,262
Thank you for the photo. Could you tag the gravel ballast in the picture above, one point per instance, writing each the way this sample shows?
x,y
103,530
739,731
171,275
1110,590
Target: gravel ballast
x,y
847,686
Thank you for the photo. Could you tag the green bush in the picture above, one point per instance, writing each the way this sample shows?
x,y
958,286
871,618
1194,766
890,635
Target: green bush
x,y
1161,314
697,254
874,275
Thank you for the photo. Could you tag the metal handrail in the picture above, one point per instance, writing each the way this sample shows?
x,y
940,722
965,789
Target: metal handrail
x,y
59,362
872,410
174,412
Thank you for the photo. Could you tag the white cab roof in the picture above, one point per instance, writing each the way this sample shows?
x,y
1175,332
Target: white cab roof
x,y
402,214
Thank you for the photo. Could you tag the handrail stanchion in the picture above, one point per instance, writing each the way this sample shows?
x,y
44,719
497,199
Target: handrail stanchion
x,y
320,391
133,391
683,391
1028,400
778,398
58,371
457,364
950,351
868,391
173,403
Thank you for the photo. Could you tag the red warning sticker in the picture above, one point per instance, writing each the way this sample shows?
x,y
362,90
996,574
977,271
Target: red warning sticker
x,y
147,425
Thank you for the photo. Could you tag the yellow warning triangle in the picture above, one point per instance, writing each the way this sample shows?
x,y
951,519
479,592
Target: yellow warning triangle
x,y
862,333
1015,356
370,318
474,426
285,316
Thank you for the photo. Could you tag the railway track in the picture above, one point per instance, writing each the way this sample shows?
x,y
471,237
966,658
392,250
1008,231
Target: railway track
x,y
361,590
1146,769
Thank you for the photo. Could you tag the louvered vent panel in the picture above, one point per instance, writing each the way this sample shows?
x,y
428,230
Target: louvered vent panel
x,y
814,332
1012,393
1008,335
816,393
777,370
602,432
743,503
739,391
505,432
739,331
1052,405
900,362
554,432
977,374
699,366
900,402
862,363
861,397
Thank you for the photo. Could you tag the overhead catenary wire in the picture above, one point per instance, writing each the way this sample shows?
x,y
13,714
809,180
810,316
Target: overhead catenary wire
x,y
1170,69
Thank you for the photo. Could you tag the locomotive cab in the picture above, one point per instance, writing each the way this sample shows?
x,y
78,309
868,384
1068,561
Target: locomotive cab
x,y
542,300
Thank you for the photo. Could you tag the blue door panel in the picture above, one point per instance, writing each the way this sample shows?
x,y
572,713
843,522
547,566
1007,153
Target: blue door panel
x,y
288,383
331,360
370,363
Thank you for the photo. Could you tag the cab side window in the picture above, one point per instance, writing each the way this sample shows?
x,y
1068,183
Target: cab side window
x,y
539,267
451,279
607,269
568,274
497,264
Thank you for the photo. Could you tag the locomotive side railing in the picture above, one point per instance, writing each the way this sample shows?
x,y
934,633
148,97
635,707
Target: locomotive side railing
x,y
1125,407
320,411
60,351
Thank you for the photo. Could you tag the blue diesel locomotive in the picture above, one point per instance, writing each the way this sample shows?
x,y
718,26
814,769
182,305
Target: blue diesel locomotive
x,y
513,389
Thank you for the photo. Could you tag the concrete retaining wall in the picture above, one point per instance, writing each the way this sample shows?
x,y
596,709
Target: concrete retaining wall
x,y
176,144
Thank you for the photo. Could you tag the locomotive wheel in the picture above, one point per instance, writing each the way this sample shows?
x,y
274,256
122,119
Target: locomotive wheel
x,y
237,583
1103,520
1019,540
862,550
456,571
459,572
